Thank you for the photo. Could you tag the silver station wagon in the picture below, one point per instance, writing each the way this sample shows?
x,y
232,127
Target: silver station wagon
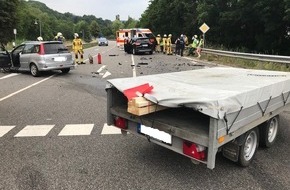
x,y
37,56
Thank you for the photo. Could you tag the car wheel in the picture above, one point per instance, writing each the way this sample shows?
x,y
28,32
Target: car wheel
x,y
249,147
151,52
34,70
269,131
65,70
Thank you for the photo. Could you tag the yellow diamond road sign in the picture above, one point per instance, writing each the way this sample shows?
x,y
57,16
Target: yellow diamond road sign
x,y
204,28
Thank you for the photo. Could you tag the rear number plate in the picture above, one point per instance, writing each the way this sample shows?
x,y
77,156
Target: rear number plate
x,y
59,59
156,134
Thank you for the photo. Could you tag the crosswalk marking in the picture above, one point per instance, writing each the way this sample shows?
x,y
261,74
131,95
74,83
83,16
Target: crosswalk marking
x,y
76,129
34,131
110,130
5,129
67,130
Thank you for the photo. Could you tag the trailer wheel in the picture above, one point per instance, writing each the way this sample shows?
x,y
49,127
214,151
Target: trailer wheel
x,y
249,148
269,131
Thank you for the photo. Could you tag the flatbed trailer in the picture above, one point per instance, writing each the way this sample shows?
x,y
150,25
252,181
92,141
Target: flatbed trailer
x,y
208,110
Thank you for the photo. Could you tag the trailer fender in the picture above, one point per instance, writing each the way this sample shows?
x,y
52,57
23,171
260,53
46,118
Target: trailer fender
x,y
231,150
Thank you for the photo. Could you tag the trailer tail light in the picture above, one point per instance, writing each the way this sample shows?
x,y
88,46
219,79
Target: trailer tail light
x,y
121,123
194,150
41,49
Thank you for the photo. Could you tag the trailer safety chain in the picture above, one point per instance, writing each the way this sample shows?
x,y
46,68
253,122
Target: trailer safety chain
x,y
263,111
226,120
285,99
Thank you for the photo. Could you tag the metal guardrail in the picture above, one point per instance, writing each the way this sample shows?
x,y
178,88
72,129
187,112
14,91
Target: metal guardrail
x,y
257,57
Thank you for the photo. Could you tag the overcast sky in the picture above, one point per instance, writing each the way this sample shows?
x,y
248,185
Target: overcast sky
x,y
105,9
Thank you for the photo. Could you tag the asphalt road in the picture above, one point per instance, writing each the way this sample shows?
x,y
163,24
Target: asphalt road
x,y
51,136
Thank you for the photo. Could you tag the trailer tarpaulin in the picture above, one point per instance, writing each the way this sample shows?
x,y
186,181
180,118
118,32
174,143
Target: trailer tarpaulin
x,y
212,91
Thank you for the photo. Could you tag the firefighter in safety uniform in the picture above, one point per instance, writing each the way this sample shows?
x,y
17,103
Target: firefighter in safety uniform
x,y
78,49
59,37
164,40
158,40
169,45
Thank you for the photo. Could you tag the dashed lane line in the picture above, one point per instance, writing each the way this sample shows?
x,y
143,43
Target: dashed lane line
x,y
5,129
34,131
76,129
110,130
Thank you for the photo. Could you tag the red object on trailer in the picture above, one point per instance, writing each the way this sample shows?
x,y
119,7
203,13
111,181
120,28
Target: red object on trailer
x,y
131,92
194,150
99,58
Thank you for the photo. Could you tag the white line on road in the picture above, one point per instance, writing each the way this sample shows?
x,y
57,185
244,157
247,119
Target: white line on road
x,y
133,65
5,129
110,130
17,92
76,129
10,75
34,131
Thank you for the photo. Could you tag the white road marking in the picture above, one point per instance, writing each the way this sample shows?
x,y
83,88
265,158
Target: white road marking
x,y
10,75
133,64
34,131
110,130
5,129
76,129
107,73
102,68
17,92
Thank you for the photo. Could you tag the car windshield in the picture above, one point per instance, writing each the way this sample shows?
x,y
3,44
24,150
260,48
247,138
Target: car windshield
x,y
103,39
143,40
52,48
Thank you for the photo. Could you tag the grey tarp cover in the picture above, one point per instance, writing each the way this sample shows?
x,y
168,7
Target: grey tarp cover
x,y
212,91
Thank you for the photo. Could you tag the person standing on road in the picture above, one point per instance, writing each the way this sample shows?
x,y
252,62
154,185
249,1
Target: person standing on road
x,y
182,44
158,40
200,45
78,49
59,37
164,43
169,45
177,46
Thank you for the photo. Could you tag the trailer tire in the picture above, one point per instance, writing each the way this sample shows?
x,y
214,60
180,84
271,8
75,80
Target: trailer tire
x,y
249,147
269,131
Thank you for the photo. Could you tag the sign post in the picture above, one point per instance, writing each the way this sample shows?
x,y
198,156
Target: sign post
x,y
14,32
204,28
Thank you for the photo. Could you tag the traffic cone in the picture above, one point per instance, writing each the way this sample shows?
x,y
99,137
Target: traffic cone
x,y
99,58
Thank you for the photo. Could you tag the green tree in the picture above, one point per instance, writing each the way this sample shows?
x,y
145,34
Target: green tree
x,y
94,28
130,23
82,28
116,25
8,17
